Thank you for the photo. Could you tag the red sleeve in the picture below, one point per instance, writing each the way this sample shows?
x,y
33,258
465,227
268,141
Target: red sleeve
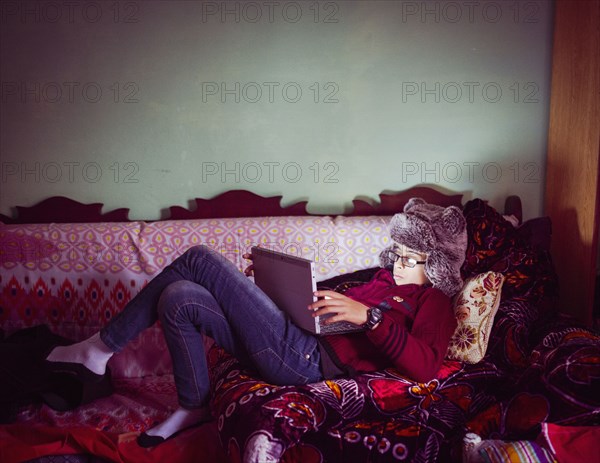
x,y
418,353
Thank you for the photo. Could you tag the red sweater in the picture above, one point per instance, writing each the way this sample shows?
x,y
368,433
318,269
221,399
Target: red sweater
x,y
412,337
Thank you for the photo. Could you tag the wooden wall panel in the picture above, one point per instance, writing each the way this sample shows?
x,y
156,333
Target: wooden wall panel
x,y
572,169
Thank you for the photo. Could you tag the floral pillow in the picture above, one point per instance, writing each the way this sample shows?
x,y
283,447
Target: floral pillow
x,y
475,307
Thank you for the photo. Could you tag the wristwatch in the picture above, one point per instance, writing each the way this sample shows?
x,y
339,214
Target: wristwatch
x,y
374,316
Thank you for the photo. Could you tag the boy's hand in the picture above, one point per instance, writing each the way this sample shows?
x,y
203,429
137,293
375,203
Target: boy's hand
x,y
248,271
344,308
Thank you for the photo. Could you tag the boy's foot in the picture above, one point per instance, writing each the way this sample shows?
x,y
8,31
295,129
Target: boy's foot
x,y
180,421
86,359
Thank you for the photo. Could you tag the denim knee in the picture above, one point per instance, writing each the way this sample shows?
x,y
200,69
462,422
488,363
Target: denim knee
x,y
199,250
171,298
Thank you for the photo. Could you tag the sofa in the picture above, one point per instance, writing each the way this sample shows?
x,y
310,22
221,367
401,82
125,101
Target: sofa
x,y
536,369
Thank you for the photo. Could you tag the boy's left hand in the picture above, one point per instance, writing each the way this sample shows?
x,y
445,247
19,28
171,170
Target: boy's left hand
x,y
346,309
249,271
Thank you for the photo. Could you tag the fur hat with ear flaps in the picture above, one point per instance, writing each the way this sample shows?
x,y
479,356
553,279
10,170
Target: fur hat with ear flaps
x,y
441,233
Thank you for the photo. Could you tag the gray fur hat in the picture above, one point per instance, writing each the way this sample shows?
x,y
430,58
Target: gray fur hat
x,y
440,232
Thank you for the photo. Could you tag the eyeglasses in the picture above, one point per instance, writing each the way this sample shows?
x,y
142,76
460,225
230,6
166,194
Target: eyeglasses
x,y
409,262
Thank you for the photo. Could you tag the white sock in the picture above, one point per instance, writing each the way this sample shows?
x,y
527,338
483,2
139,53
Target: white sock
x,y
92,353
180,419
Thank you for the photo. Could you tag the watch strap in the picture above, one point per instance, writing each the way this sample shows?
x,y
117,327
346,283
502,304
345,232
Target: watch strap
x,y
374,316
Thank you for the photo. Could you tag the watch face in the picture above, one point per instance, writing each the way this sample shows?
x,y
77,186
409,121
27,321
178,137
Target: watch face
x,y
374,317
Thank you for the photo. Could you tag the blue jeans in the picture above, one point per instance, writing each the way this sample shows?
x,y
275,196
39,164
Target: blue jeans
x,y
201,292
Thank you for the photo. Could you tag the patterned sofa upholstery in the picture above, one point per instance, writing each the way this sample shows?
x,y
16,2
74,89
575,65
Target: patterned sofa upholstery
x,y
539,367
75,277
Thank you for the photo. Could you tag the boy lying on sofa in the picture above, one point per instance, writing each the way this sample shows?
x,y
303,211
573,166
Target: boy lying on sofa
x,y
405,311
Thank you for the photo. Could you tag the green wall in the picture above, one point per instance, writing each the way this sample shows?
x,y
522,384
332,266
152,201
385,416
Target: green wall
x,y
147,104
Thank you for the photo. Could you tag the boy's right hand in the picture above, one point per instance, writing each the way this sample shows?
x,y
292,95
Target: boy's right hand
x,y
342,307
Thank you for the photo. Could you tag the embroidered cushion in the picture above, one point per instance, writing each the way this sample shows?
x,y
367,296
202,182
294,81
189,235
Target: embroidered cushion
x,y
475,307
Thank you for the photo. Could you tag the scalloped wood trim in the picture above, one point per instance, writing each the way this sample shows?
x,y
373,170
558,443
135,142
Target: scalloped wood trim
x,y
394,202
235,203
60,209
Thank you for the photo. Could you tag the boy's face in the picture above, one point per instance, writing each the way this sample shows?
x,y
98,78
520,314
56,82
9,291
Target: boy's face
x,y
403,274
